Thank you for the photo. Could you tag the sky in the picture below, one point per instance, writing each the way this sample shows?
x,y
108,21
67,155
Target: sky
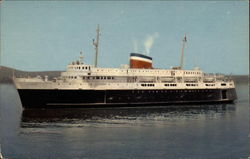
x,y
48,35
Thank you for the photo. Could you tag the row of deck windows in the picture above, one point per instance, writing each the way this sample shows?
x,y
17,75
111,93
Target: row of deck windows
x,y
170,91
210,84
192,72
117,70
83,68
171,85
79,68
99,77
71,77
144,70
148,85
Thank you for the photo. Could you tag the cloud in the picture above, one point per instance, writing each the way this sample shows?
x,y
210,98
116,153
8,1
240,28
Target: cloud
x,y
148,43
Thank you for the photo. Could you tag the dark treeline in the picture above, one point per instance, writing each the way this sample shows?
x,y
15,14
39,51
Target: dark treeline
x,y
7,73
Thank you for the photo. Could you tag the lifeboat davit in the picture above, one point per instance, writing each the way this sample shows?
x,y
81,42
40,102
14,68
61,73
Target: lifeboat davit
x,y
140,61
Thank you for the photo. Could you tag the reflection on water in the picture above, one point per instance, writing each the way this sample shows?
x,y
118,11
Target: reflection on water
x,y
32,117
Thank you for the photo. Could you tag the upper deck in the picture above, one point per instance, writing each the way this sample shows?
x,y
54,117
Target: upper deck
x,y
87,70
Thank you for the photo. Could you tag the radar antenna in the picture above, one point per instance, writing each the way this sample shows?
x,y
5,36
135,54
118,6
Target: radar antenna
x,y
182,51
96,44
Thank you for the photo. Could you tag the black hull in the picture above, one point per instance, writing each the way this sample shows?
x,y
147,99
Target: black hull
x,y
118,98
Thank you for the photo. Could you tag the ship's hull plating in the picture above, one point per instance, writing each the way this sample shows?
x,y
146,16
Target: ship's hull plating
x,y
98,98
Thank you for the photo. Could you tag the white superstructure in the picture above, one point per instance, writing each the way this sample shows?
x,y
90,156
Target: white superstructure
x,y
81,76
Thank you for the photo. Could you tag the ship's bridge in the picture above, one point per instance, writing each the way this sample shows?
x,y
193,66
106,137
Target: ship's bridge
x,y
78,67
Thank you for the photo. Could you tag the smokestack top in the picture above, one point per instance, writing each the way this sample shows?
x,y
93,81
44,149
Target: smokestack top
x,y
141,55
140,61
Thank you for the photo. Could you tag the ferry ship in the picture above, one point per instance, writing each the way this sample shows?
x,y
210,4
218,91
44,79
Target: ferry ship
x,y
136,84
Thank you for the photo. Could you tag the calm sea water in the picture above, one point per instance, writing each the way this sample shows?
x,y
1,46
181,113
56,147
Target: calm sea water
x,y
209,131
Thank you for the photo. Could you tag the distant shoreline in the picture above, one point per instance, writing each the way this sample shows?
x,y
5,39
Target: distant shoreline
x,y
6,74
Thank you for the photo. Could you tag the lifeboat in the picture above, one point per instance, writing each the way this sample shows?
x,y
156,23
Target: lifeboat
x,y
140,61
190,79
146,79
167,79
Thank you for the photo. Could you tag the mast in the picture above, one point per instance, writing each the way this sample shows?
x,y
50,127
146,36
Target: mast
x,y
81,57
182,51
96,44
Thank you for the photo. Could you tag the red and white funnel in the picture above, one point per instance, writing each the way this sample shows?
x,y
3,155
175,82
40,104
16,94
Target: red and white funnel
x,y
140,61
